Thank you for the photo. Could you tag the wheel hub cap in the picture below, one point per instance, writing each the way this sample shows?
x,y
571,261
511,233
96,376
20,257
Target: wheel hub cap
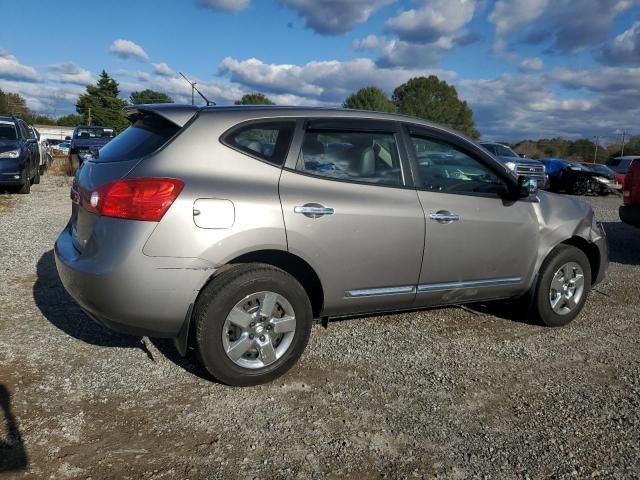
x,y
567,288
259,330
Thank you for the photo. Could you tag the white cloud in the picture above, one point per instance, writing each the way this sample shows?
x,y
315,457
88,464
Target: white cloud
x,y
127,49
326,81
624,49
393,52
334,17
531,64
433,21
69,73
12,69
558,25
230,6
163,69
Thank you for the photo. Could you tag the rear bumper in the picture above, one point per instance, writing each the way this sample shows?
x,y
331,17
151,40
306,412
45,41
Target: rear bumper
x,y
630,214
131,293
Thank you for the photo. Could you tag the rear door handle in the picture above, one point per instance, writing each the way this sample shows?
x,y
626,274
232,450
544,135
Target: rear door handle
x,y
314,210
444,216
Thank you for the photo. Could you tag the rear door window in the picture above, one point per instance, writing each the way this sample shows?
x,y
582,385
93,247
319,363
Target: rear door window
x,y
268,141
145,135
346,154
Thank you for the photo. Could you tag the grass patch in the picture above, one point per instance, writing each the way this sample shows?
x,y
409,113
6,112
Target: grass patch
x,y
61,166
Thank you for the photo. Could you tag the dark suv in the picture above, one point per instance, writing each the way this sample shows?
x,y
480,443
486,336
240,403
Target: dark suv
x,y
86,142
19,155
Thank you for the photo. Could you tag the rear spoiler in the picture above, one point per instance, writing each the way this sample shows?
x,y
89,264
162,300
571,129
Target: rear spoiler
x,y
175,113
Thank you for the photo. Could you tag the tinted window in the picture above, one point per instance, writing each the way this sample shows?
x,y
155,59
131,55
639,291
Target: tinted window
x,y
503,151
144,136
8,130
355,156
268,141
445,168
93,132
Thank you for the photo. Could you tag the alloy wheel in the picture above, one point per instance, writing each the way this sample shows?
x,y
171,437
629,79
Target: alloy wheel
x,y
567,288
259,330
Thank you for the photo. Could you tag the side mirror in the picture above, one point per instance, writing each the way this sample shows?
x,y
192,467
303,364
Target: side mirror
x,y
527,187
67,137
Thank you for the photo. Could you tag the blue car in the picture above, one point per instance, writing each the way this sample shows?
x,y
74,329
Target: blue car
x,y
19,155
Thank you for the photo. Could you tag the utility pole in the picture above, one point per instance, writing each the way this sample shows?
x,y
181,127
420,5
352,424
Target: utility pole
x,y
89,117
595,153
624,133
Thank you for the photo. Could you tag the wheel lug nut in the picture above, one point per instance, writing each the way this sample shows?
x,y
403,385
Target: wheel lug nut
x,y
251,337
262,338
269,327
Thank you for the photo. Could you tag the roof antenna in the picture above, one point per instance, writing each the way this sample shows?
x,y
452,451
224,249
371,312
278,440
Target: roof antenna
x,y
194,88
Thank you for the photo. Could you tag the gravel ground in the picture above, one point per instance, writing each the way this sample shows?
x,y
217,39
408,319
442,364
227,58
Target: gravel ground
x,y
444,393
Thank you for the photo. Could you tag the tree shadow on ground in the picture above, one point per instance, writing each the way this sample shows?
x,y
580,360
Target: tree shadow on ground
x,y
13,454
624,243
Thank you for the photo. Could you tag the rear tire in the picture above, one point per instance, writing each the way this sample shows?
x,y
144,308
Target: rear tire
x,y
564,282
36,177
238,296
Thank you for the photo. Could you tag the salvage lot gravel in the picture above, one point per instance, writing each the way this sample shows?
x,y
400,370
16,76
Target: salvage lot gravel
x,y
446,392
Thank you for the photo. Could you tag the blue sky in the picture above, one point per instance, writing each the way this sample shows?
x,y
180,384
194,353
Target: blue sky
x,y
528,68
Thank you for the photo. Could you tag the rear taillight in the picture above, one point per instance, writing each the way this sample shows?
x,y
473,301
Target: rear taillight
x,y
146,199
628,186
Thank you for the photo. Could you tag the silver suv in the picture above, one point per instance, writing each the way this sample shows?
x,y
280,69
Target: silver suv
x,y
230,229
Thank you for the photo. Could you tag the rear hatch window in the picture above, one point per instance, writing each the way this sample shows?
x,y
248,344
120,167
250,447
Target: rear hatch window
x,y
145,135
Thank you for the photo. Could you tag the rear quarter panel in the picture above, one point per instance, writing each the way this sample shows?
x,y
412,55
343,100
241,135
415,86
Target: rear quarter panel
x,y
211,170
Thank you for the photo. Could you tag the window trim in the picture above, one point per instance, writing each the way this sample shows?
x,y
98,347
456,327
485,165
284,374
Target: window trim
x,y
262,121
352,125
477,153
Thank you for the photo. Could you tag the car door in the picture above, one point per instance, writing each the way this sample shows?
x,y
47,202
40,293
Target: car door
x,y
350,211
479,245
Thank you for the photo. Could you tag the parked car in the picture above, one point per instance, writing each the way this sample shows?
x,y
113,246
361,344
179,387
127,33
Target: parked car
x,y
572,177
19,155
611,177
189,225
86,141
521,166
630,210
621,165
61,149
42,153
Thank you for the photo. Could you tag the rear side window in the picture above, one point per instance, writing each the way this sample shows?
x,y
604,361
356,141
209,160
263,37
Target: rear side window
x,y
267,141
363,157
146,135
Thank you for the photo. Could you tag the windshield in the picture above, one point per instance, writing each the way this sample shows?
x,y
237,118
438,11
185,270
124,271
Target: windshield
x,y
601,169
502,151
93,132
8,131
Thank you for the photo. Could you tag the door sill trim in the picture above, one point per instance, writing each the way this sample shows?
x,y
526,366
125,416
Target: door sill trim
x,y
494,282
379,292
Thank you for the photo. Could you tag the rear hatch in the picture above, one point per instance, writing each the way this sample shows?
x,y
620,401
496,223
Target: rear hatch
x,y
151,129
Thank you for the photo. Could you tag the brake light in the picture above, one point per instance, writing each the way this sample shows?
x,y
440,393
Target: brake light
x,y
626,187
146,199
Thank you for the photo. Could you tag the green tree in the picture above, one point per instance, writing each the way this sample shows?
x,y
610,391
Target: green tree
x,y
434,99
254,99
149,96
70,120
369,98
102,104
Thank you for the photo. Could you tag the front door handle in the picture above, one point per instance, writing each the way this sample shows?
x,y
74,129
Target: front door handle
x,y
313,210
444,216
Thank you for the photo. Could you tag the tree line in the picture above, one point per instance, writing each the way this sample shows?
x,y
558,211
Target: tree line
x,y
424,97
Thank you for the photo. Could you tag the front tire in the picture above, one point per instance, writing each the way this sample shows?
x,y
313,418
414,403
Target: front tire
x,y
580,187
25,188
564,282
36,177
253,322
